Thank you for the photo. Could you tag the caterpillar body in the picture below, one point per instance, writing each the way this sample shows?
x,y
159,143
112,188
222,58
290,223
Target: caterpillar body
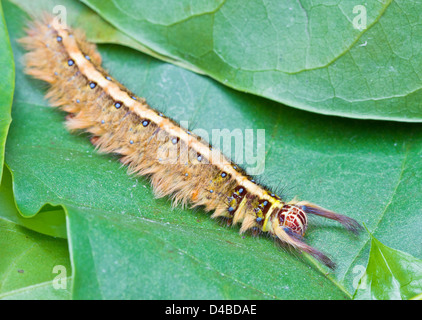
x,y
178,163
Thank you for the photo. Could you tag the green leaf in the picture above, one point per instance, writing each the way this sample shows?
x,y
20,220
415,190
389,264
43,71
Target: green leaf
x,y
50,220
96,28
32,265
7,85
391,274
126,244
306,54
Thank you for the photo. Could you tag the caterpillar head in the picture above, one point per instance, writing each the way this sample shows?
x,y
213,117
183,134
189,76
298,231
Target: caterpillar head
x,y
293,218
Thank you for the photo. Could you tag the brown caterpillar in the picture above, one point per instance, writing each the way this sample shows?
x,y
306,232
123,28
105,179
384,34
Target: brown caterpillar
x,y
177,162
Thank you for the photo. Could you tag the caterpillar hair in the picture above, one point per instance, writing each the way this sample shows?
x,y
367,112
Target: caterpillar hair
x,y
179,163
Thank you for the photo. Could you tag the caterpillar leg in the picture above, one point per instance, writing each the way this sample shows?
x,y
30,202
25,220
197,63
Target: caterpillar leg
x,y
349,223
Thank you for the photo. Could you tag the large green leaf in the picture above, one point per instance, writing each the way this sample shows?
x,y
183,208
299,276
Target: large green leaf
x,y
306,54
391,274
124,243
7,85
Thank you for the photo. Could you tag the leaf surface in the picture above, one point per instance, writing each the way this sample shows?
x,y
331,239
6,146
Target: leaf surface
x,y
390,275
331,57
126,244
32,265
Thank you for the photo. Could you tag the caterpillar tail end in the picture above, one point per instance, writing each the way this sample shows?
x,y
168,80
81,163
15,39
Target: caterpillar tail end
x,y
290,222
350,224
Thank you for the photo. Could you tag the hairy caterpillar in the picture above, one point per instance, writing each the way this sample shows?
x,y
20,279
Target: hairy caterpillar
x,y
177,162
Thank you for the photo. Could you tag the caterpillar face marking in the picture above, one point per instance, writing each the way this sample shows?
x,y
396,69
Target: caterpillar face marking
x,y
293,218
178,163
